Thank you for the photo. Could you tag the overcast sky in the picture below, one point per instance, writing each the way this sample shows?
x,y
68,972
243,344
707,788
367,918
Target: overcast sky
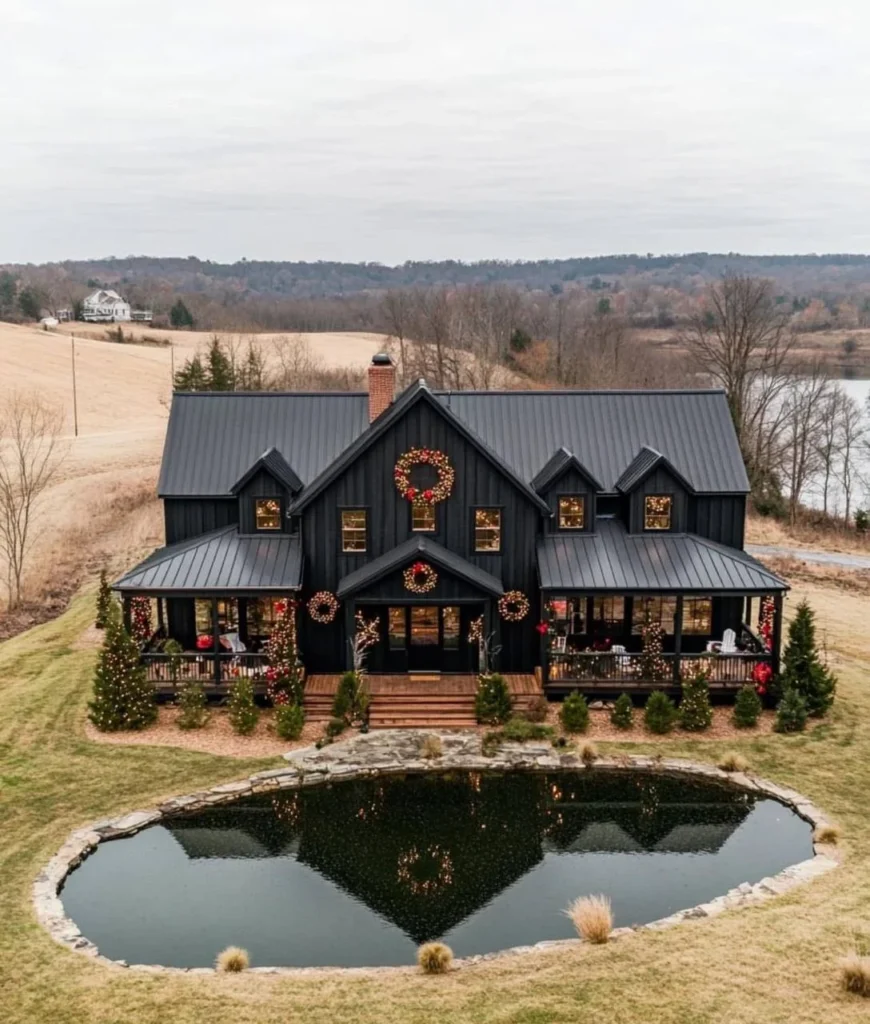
x,y
428,129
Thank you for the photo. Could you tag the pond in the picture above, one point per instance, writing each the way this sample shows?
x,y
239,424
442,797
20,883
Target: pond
x,y
359,873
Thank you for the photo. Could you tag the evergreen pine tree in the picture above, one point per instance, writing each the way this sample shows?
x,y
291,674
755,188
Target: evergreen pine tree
x,y
123,698
104,602
791,712
695,711
574,713
659,714
493,703
802,669
747,708
622,714
180,316
219,370
243,712
252,374
192,376
193,704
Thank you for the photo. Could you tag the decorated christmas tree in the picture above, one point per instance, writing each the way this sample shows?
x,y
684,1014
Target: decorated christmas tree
x,y
284,674
695,711
802,668
653,666
104,602
123,698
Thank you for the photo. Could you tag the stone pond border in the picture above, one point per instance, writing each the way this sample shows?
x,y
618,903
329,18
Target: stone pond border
x,y
393,752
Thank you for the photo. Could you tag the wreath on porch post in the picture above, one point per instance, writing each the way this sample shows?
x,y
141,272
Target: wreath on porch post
x,y
424,457
513,606
420,578
323,606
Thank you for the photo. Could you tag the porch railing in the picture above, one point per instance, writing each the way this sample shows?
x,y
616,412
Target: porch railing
x,y
171,670
608,667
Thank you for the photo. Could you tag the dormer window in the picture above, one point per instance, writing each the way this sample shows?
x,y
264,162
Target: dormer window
x,y
657,509
572,512
267,513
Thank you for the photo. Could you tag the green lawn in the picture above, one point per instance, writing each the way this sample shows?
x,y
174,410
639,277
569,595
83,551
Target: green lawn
x,y
773,963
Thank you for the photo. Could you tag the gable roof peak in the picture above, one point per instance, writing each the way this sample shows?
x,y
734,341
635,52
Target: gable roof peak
x,y
646,460
559,462
274,463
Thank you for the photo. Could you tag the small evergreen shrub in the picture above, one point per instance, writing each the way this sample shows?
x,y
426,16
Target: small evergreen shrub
x,y
592,918
243,712
434,958
574,713
193,705
232,960
345,696
104,602
802,668
519,730
747,708
622,713
537,709
659,714
335,727
289,720
492,703
791,713
696,715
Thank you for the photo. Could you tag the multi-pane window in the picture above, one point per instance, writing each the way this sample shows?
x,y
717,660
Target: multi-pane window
x,y
487,529
227,614
658,610
396,628
353,529
698,616
657,510
572,512
450,627
424,625
262,615
267,513
608,614
422,517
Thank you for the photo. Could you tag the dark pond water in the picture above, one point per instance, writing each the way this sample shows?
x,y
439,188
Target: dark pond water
x,y
360,873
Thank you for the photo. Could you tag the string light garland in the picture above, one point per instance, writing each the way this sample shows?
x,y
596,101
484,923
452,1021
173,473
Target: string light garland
x,y
513,606
765,620
439,862
283,676
140,624
652,662
367,631
475,630
123,697
424,457
420,578
323,607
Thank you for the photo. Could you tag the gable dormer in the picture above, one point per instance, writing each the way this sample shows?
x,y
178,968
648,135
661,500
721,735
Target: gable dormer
x,y
264,493
658,494
571,492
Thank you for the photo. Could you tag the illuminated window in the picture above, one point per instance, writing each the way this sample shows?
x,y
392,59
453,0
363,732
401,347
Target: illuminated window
x,y
487,529
262,615
698,615
227,613
657,511
353,529
660,610
267,513
424,626
572,512
422,517
608,614
450,627
396,625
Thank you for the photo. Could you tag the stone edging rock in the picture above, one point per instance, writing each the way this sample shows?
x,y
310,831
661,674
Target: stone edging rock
x,y
396,752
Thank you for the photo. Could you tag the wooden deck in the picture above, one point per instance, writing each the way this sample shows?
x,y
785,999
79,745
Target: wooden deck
x,y
417,700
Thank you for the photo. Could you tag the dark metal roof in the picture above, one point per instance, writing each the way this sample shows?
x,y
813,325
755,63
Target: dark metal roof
x,y
644,463
221,562
560,461
213,439
612,560
410,550
275,463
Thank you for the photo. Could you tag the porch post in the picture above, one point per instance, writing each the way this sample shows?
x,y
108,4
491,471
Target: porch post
x,y
216,634
545,640
776,636
678,637
161,621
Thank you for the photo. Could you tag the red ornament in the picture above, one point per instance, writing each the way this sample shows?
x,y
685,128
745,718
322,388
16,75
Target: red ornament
x,y
429,494
204,642
411,493
761,676
542,628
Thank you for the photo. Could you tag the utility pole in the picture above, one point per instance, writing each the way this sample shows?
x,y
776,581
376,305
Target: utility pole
x,y
72,339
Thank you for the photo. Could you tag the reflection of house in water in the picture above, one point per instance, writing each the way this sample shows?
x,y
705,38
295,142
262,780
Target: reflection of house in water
x,y
427,851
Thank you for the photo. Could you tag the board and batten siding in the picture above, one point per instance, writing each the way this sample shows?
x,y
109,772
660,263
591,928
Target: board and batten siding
x,y
571,482
261,485
659,481
191,517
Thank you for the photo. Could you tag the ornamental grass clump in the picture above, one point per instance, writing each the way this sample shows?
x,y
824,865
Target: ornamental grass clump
x,y
193,705
696,715
492,703
243,712
622,712
289,721
574,713
233,960
434,958
855,974
123,697
791,713
431,747
828,834
733,762
592,917
747,708
588,753
659,714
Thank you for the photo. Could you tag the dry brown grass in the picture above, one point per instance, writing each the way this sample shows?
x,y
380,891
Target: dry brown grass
x,y
233,960
809,534
733,762
431,747
592,917
434,958
587,752
855,974
829,834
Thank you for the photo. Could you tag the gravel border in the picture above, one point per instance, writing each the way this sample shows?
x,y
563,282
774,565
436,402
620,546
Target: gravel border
x,y
392,752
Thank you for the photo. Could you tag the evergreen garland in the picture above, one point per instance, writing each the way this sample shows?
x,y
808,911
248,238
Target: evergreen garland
x,y
802,669
104,602
123,697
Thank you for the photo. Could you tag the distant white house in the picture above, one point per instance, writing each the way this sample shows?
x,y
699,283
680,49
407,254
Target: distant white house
x,y
105,305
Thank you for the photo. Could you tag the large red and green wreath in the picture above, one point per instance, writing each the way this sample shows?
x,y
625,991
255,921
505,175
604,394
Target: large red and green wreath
x,y
513,606
424,457
323,606
420,578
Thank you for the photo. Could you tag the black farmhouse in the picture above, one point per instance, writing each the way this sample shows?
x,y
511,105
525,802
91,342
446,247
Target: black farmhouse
x,y
541,529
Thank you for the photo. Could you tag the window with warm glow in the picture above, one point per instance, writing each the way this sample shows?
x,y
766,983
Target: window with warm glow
x,y
698,616
608,614
487,529
263,614
450,627
659,610
657,510
227,615
267,513
422,517
424,626
396,626
572,512
353,529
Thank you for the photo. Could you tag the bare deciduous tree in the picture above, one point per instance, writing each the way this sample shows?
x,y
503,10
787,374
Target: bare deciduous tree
x,y
806,395
30,453
853,442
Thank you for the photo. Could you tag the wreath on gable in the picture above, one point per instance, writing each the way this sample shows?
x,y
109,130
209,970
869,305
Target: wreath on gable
x,y
323,606
420,578
513,606
424,457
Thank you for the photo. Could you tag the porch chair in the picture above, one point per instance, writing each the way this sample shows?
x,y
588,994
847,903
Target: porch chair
x,y
727,645
622,661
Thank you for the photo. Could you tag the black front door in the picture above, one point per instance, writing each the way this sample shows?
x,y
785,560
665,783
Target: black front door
x,y
424,637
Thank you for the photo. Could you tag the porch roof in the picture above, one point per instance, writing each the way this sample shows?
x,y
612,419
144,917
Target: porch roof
x,y
222,562
414,548
614,561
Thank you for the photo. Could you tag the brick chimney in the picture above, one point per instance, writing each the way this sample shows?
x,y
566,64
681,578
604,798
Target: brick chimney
x,y
382,384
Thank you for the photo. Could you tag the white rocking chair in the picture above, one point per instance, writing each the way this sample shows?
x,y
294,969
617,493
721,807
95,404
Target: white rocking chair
x,y
727,645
